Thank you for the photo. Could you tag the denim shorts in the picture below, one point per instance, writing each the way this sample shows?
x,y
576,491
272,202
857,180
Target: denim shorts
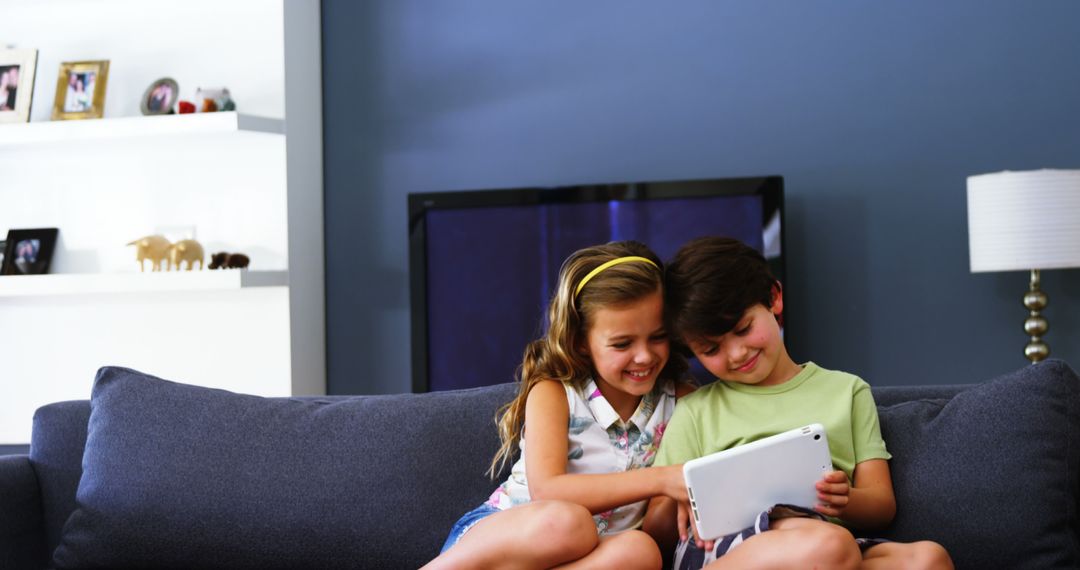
x,y
466,522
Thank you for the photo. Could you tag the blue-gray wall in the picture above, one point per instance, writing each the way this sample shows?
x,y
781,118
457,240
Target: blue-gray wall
x,y
874,113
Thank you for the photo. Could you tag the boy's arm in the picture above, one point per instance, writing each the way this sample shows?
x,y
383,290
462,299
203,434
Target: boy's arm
x,y
873,504
867,504
679,444
660,524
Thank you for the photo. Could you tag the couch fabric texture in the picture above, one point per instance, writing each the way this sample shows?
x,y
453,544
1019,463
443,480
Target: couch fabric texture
x,y
192,477
152,473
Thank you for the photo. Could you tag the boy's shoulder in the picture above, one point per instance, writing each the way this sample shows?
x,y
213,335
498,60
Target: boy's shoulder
x,y
813,377
811,374
838,376
702,395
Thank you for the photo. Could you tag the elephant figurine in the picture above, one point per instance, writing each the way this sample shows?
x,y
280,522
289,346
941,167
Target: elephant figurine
x,y
155,248
225,260
187,250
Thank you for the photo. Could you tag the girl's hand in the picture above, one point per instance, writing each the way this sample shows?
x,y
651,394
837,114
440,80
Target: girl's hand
x,y
687,526
687,521
834,493
674,484
683,519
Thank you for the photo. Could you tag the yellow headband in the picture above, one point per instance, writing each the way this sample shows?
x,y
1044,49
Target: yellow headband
x,y
604,266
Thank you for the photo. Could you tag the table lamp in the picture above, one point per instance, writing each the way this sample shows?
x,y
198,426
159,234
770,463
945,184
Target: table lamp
x,y
1025,221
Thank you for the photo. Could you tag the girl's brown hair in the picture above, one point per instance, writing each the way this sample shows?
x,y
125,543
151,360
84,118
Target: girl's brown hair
x,y
556,355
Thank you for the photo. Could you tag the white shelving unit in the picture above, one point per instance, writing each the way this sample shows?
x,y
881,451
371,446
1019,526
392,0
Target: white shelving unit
x,y
159,281
103,130
248,181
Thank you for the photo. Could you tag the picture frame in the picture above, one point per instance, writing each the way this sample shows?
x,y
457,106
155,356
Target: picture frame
x,y
80,90
18,67
160,97
29,251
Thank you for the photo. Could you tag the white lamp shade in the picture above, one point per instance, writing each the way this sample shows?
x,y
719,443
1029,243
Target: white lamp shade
x,y
1024,220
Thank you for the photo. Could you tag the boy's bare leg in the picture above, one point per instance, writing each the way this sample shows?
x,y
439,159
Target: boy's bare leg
x,y
541,534
913,555
795,543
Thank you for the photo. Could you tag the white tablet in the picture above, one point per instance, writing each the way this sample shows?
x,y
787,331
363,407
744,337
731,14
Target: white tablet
x,y
730,488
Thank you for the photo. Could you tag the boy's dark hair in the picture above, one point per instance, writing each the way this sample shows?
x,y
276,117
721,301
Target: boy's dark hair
x,y
710,284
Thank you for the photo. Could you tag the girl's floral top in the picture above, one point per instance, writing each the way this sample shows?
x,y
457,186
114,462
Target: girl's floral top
x,y
601,442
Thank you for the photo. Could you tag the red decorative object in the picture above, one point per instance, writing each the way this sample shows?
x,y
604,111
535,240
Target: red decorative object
x,y
186,107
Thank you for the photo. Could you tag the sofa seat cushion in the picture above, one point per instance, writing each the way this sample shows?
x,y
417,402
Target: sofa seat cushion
x,y
188,477
991,473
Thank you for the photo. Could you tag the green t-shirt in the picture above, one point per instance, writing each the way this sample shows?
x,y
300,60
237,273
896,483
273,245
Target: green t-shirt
x,y
725,414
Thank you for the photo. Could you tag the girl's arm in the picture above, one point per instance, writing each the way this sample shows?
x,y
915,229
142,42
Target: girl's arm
x,y
868,504
547,417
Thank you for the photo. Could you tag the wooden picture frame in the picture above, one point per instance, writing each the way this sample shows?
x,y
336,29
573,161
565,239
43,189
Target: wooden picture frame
x,y
80,90
29,252
17,70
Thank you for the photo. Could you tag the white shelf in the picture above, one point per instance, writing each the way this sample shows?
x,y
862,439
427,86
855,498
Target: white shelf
x,y
163,281
247,182
133,127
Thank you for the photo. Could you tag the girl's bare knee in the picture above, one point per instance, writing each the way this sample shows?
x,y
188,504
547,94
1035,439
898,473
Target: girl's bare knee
x,y
643,551
635,550
565,529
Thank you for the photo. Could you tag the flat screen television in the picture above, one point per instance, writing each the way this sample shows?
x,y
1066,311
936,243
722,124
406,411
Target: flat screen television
x,y
483,264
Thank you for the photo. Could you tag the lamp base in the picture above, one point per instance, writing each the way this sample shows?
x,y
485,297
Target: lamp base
x,y
1036,325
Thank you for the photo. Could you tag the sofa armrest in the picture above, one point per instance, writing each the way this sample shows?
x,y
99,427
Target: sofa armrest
x,y
22,532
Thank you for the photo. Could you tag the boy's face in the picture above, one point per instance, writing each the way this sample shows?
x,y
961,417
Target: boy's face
x,y
751,353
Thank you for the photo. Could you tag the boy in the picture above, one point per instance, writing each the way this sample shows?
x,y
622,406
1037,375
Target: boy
x,y
724,305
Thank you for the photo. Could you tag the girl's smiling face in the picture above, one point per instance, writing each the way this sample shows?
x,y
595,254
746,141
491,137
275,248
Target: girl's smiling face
x,y
628,346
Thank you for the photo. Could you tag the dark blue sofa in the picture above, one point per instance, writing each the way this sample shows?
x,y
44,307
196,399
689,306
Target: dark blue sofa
x,y
151,473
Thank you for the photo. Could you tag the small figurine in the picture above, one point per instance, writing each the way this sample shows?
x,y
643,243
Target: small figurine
x,y
187,250
223,260
155,248
217,260
211,100
186,107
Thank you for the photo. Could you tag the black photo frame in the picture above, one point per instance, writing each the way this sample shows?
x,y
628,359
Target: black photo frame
x,y
29,252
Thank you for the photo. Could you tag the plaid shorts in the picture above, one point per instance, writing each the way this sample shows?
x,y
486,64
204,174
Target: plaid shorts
x,y
689,557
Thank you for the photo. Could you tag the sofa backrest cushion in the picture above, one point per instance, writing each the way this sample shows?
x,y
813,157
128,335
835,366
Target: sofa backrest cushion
x,y
991,473
200,477
21,542
56,450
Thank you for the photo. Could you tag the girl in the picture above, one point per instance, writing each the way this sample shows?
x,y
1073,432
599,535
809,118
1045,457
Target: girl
x,y
596,393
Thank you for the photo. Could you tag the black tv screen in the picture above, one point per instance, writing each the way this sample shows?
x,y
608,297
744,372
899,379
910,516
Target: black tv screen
x,y
483,264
